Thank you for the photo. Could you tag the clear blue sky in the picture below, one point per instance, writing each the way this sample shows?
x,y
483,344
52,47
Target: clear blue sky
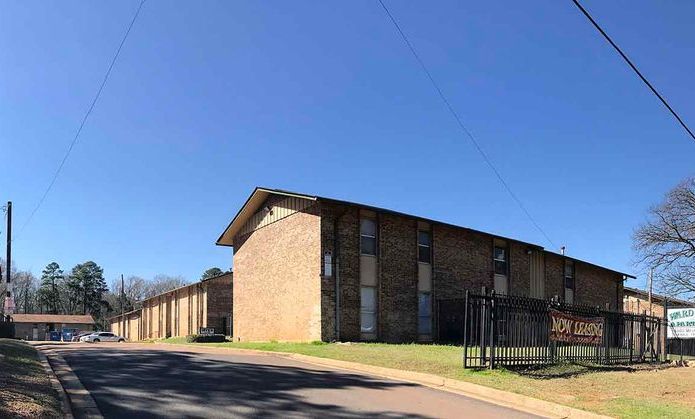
x,y
210,99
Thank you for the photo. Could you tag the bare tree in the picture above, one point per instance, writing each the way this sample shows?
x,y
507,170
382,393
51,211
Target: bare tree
x,y
163,283
25,291
666,242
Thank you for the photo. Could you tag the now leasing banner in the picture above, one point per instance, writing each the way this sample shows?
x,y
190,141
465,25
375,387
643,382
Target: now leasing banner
x,y
575,329
681,323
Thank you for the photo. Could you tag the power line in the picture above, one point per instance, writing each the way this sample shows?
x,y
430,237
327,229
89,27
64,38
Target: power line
x,y
462,126
84,119
634,68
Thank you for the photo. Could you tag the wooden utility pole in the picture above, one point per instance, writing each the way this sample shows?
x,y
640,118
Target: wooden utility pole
x,y
122,322
651,280
9,302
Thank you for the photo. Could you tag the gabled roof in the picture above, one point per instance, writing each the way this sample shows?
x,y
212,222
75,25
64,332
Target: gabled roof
x,y
252,204
260,194
53,318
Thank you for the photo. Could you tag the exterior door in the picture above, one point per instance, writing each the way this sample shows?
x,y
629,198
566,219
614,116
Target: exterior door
x,y
35,333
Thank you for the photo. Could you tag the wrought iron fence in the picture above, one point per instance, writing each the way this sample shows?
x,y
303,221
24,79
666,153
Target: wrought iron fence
x,y
501,330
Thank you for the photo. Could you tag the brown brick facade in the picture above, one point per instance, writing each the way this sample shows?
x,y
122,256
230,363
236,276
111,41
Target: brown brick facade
x,y
282,290
277,291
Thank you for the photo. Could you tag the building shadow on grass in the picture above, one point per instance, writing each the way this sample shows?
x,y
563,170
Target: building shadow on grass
x,y
569,370
151,383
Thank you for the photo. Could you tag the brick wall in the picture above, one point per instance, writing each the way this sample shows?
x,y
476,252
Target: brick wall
x,y
277,283
595,286
519,269
219,302
554,276
348,270
397,304
462,261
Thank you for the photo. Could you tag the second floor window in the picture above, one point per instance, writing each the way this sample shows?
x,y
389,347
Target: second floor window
x,y
368,237
569,275
424,247
500,260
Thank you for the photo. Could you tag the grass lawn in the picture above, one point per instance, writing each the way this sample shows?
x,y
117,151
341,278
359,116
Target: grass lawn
x,y
629,392
25,390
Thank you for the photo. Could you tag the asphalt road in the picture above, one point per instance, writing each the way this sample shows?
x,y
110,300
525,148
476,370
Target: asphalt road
x,y
143,381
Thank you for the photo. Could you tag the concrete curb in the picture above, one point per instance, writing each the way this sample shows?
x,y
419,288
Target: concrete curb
x,y
81,402
499,397
55,383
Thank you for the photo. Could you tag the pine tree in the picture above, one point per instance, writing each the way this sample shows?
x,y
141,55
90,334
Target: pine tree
x,y
49,290
88,284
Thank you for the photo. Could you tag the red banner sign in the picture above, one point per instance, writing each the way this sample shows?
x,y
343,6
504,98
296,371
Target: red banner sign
x,y
575,329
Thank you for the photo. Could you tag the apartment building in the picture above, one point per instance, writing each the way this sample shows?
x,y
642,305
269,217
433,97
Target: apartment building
x,y
314,268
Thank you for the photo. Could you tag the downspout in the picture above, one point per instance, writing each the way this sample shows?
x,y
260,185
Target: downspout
x,y
336,272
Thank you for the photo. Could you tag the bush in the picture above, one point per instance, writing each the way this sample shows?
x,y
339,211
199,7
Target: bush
x,y
205,338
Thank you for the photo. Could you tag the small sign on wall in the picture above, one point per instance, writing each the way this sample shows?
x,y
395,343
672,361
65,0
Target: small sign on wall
x,y
206,331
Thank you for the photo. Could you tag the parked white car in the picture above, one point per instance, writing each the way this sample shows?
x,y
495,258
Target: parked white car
x,y
102,337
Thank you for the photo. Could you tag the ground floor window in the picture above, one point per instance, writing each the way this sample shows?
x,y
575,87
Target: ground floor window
x,y
368,309
424,326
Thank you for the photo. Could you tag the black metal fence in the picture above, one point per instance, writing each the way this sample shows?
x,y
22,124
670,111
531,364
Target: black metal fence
x,y
500,330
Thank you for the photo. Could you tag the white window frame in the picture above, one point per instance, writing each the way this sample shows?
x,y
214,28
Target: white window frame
x,y
428,246
573,276
369,236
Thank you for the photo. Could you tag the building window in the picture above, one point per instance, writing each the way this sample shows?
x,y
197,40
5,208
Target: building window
x,y
500,260
569,282
424,247
368,309
368,237
424,325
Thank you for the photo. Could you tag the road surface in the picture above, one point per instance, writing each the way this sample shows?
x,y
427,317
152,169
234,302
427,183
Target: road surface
x,y
147,380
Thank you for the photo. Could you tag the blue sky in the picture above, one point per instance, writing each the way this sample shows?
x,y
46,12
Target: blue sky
x,y
209,99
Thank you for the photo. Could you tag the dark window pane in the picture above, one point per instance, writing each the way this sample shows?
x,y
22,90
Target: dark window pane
x,y
368,245
424,326
500,267
424,305
423,238
424,254
569,268
569,282
367,227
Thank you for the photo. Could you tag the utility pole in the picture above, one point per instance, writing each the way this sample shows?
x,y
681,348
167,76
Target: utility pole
x,y
9,302
122,322
651,280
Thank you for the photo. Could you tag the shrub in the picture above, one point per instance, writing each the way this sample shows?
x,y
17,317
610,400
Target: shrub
x,y
205,338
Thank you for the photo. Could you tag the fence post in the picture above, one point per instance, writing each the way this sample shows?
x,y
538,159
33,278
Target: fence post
x,y
665,323
493,329
465,332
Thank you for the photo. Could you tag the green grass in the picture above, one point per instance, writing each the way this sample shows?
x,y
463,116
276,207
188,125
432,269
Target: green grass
x,y
25,389
636,391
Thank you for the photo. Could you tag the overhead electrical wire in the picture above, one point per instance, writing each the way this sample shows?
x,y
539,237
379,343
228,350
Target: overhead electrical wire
x,y
634,68
84,120
463,127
